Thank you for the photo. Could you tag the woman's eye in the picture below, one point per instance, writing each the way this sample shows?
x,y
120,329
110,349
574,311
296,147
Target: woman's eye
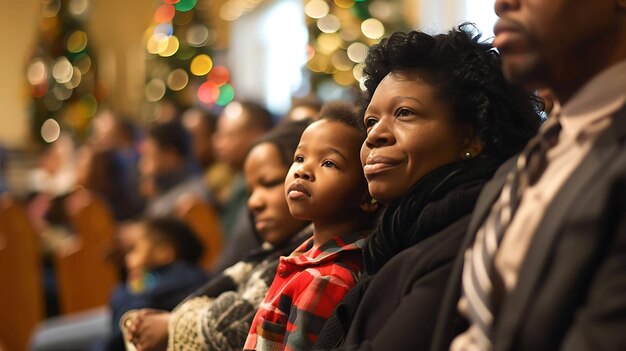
x,y
328,164
298,159
370,122
403,112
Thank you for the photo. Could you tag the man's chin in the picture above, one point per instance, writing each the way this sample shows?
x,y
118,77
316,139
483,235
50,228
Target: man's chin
x,y
522,70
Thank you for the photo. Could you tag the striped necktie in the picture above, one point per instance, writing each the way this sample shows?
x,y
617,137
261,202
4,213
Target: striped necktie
x,y
482,285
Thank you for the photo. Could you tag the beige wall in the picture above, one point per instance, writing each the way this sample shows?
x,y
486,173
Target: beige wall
x,y
18,23
116,28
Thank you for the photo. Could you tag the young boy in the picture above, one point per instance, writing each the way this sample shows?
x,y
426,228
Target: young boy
x,y
163,269
325,185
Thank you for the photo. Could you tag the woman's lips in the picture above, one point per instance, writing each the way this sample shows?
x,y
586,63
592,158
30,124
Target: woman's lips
x,y
297,191
378,164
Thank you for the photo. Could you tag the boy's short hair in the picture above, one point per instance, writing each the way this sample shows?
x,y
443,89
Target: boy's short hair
x,y
345,113
187,246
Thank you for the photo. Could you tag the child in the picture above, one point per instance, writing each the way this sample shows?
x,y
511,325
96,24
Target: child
x,y
325,184
162,269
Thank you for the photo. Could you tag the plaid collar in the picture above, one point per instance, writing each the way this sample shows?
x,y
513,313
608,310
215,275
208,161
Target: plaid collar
x,y
306,255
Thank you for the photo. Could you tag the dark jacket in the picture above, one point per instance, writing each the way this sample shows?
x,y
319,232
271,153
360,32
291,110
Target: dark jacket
x,y
166,287
409,260
571,291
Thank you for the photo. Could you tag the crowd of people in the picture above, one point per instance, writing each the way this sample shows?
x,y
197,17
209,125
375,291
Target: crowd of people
x,y
445,211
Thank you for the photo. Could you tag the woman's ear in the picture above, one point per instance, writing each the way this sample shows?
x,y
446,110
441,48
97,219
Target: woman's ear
x,y
472,145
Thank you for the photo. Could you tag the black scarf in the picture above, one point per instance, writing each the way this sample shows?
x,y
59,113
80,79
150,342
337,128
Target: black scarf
x,y
434,202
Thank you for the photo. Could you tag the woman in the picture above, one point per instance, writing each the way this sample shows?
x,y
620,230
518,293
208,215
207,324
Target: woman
x,y
218,316
440,118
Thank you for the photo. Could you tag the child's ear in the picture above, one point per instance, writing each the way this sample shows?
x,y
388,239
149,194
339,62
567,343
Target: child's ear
x,y
368,204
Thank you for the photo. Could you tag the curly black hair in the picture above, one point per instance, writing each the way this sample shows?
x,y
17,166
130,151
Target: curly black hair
x,y
467,73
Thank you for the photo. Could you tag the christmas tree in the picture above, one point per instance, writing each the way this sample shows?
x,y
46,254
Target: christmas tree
x,y
340,33
62,72
181,67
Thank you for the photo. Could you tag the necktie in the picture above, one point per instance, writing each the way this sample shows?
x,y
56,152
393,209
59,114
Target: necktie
x,y
482,286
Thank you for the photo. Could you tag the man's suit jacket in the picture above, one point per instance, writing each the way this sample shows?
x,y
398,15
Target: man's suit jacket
x,y
571,291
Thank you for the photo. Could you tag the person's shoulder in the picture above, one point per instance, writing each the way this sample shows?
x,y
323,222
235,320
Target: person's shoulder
x,y
439,249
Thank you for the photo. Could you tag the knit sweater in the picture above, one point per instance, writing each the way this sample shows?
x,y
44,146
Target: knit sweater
x,y
218,316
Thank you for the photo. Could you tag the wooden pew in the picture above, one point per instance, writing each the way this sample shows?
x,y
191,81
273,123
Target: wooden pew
x,y
85,279
21,290
204,221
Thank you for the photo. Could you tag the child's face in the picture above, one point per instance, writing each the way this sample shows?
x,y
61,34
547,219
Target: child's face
x,y
146,253
265,175
138,257
325,182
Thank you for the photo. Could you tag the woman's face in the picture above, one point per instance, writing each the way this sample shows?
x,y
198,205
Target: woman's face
x,y
265,177
410,132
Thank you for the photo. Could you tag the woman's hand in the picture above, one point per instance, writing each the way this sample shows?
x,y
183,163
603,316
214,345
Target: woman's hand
x,y
147,329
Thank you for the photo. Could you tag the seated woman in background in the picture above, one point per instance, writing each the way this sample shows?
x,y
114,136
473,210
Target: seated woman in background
x,y
440,119
218,316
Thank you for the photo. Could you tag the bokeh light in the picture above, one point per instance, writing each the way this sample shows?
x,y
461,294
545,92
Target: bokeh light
x,y
328,43
51,8
77,41
50,130
157,43
165,13
227,94
185,5
155,90
340,61
316,8
201,65
177,79
229,11
344,78
208,92
61,92
373,28
219,75
78,7
76,79
83,63
381,9
357,52
346,4
37,72
171,48
89,104
164,28
329,23
62,70
197,35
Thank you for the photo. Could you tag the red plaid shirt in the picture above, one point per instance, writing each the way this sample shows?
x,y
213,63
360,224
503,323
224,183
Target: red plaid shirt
x,y
307,287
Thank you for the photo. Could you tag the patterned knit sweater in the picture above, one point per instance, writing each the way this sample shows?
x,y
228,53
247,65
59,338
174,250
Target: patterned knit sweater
x,y
218,316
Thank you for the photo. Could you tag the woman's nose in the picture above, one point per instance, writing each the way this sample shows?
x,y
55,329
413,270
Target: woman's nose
x,y
380,135
255,202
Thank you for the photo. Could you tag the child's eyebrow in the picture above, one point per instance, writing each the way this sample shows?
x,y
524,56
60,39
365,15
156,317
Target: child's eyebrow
x,y
336,151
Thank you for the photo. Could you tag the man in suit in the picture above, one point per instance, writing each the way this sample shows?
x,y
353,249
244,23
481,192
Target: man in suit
x,y
544,262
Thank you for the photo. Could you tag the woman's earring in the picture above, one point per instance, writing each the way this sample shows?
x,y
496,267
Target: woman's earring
x,y
373,201
467,155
